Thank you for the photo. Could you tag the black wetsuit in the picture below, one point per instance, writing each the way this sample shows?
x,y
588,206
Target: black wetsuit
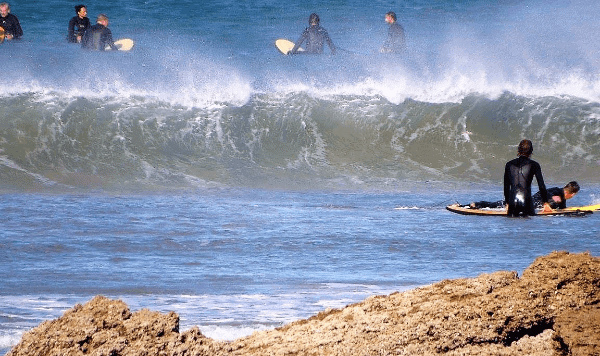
x,y
11,25
315,36
77,27
518,175
97,38
552,192
537,200
395,42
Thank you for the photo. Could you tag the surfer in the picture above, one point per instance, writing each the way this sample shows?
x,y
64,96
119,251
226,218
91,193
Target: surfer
x,y
518,175
395,42
9,22
97,37
557,198
315,37
78,24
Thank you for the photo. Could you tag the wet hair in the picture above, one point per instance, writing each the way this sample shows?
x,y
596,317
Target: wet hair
x,y
572,187
525,148
102,17
392,15
313,19
79,7
5,4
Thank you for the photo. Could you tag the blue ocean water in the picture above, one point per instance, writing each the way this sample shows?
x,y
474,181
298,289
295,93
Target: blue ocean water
x,y
203,172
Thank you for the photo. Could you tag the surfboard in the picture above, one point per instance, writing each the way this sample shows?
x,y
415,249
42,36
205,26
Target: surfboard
x,y
124,44
585,208
285,46
576,210
2,34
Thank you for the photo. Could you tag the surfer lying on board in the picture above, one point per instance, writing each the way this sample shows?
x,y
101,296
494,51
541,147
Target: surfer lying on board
x,y
9,22
98,36
557,198
315,37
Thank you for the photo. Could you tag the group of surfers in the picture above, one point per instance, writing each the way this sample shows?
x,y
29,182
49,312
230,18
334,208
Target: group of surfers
x,y
518,177
95,37
98,36
314,37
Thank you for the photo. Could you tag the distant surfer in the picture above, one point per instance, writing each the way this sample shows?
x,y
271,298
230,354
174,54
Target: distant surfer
x,y
395,42
315,37
9,22
97,37
78,24
557,198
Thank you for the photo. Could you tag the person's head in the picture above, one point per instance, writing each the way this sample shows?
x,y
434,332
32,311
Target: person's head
x,y
81,11
313,19
102,19
525,148
571,189
4,9
390,17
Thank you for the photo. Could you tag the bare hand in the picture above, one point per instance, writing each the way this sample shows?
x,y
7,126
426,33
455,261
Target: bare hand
x,y
547,208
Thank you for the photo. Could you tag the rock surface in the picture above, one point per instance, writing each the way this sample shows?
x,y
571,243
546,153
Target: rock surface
x,y
552,309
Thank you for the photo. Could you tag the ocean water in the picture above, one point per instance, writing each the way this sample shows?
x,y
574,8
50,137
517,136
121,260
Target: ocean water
x,y
203,172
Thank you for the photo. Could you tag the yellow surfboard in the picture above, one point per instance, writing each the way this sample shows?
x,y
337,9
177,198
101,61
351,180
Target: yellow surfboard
x,y
2,34
585,208
124,44
576,210
285,46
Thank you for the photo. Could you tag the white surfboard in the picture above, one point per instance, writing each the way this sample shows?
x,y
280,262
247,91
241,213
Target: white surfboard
x,y
285,46
124,44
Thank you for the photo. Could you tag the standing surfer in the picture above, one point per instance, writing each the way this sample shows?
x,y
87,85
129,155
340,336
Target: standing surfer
x,y
395,42
315,37
78,24
97,37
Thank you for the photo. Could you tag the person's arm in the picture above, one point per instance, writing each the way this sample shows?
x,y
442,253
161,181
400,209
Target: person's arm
x,y
18,30
329,43
387,45
108,40
302,38
507,183
71,36
544,193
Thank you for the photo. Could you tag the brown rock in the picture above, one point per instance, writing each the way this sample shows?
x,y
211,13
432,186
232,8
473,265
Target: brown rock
x,y
553,309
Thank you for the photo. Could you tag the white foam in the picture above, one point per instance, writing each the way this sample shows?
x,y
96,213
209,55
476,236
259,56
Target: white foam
x,y
10,340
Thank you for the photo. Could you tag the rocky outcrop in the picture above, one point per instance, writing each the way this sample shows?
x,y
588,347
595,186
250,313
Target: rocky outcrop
x,y
552,309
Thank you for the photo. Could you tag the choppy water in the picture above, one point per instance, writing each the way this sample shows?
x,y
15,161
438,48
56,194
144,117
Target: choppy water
x,y
204,172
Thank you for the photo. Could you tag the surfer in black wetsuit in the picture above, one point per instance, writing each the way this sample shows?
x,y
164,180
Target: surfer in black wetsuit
x,y
315,37
395,42
97,37
78,24
557,197
518,175
9,22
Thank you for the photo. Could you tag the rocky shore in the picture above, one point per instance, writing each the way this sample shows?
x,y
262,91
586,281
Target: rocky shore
x,y
552,309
